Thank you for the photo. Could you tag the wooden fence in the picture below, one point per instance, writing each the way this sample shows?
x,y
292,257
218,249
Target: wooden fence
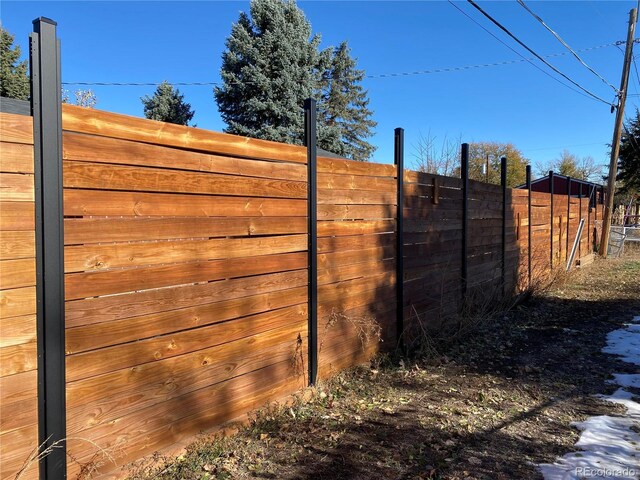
x,y
18,348
157,280
186,274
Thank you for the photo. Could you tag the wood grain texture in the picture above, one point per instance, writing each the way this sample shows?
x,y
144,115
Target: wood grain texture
x,y
118,281
17,273
102,257
17,216
16,128
17,244
109,308
16,157
17,330
78,119
18,358
17,302
362,227
169,422
101,399
147,179
105,203
93,148
131,229
91,337
352,167
16,187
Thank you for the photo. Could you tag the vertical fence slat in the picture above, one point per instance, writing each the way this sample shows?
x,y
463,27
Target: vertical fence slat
x,y
47,122
399,162
312,212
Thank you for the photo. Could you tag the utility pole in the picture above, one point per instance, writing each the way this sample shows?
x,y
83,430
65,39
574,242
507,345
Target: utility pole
x,y
617,131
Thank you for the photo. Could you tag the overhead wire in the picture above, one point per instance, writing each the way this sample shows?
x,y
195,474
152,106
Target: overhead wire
x,y
522,44
518,53
381,75
566,45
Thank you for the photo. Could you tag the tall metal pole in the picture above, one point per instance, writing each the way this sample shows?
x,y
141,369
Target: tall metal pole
x,y
528,173
464,174
617,131
568,213
312,212
46,107
399,161
551,191
503,253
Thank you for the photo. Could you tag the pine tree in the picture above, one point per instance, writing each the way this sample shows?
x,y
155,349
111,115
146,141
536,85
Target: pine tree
x,y
629,157
344,111
14,81
270,66
167,105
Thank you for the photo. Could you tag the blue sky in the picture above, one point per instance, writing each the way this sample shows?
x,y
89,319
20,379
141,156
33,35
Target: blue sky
x,y
149,41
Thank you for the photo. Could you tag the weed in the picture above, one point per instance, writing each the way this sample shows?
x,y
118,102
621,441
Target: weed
x,y
366,327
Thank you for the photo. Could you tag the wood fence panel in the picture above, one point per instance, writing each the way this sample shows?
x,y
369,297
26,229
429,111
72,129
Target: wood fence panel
x,y
186,280
432,247
186,274
356,261
18,336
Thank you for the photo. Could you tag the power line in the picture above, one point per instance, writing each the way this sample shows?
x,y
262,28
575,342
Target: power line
x,y
515,51
374,76
523,5
380,75
522,44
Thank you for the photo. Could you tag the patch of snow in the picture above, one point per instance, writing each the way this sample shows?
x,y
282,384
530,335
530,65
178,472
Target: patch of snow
x,y
626,379
610,445
625,343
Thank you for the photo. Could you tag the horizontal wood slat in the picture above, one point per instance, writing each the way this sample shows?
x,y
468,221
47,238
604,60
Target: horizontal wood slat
x,y
131,229
92,148
15,157
16,128
147,179
78,119
105,203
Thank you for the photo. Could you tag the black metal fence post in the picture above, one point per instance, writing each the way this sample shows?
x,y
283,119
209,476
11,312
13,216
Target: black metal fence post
x,y
310,137
464,175
503,184
568,212
528,177
589,236
398,159
47,135
551,190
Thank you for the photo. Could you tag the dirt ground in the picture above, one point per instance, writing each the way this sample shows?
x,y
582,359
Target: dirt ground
x,y
490,406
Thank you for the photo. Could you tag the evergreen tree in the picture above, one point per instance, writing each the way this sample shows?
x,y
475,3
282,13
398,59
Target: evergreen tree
x,y
344,111
167,105
270,66
629,157
14,81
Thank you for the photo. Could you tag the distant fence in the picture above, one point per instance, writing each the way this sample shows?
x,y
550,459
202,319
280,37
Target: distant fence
x,y
190,294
